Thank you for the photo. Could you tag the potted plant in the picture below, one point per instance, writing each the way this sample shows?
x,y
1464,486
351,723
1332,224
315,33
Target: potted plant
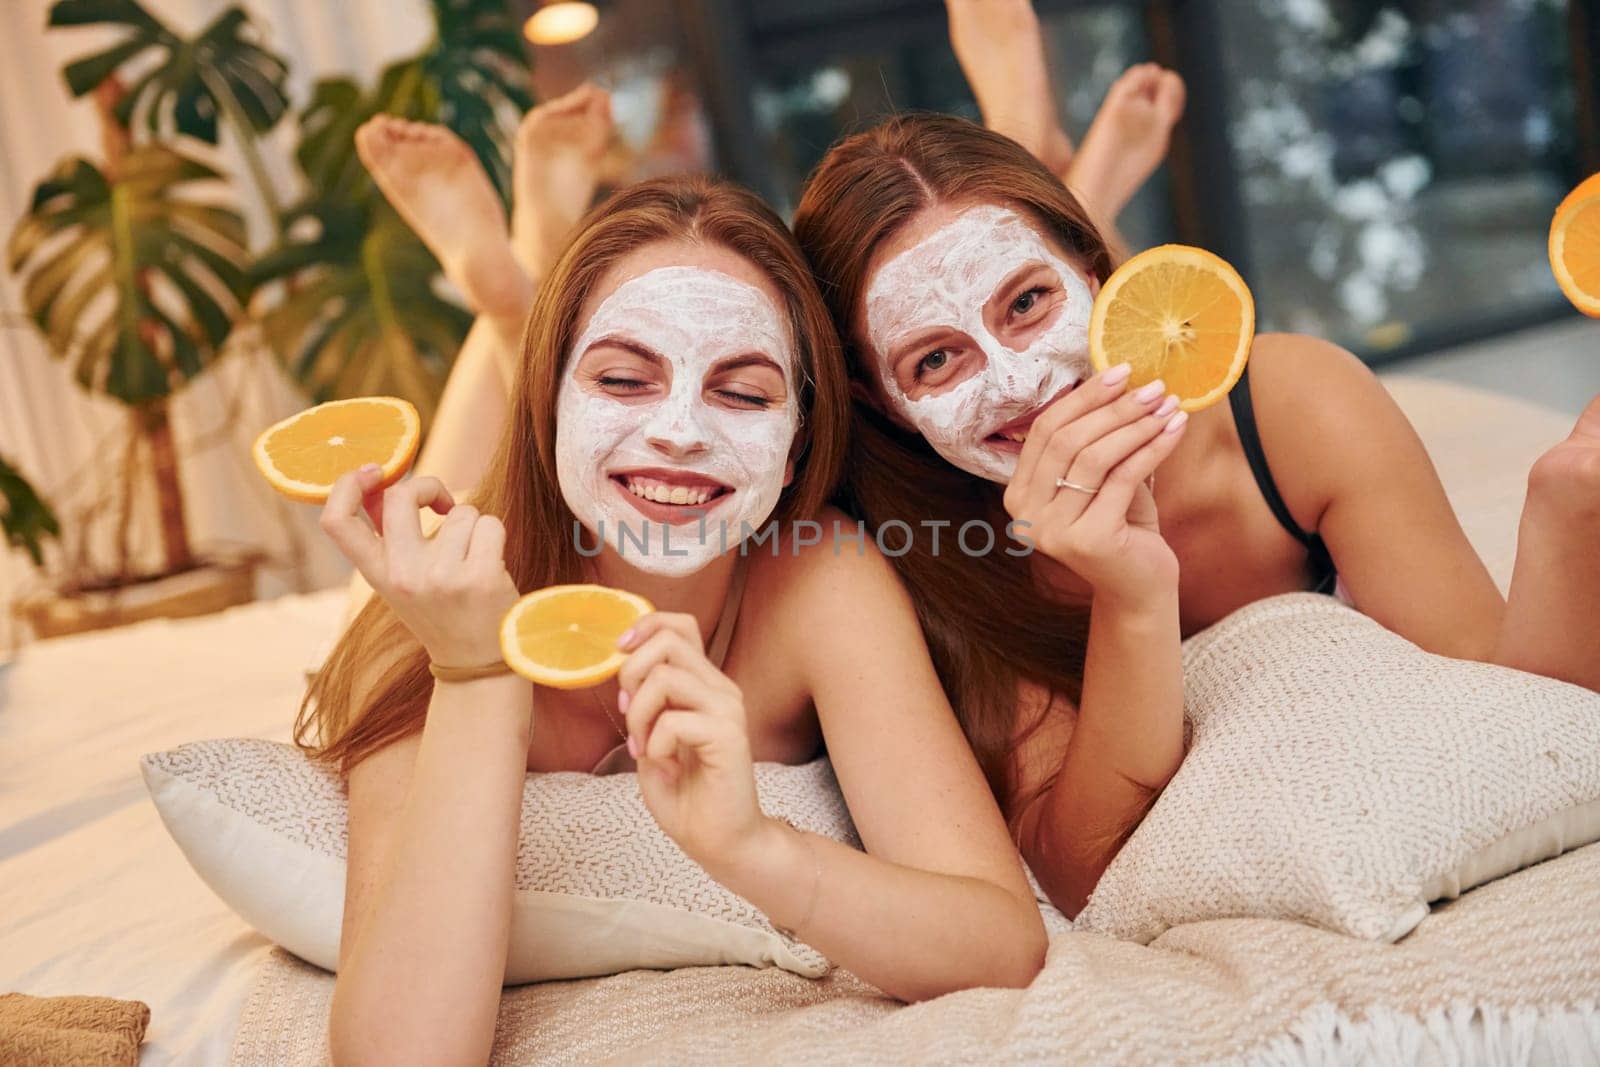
x,y
137,268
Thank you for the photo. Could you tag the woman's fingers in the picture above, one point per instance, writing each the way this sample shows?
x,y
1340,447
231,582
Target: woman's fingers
x,y
402,529
1084,398
1095,461
667,687
650,624
455,534
488,544
372,496
342,522
674,729
1110,505
668,644
1059,452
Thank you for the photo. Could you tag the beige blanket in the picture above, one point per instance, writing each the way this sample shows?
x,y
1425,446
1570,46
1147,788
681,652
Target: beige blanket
x,y
1508,972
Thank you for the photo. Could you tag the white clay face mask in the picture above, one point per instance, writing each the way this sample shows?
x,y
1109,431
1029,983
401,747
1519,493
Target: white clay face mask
x,y
672,478
945,282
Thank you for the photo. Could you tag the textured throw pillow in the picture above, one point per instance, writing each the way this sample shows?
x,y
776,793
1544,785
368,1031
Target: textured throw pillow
x,y
1341,776
599,888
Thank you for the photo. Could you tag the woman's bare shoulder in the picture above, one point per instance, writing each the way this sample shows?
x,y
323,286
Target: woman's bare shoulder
x,y
822,565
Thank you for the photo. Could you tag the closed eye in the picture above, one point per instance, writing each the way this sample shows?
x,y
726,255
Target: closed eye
x,y
744,399
622,385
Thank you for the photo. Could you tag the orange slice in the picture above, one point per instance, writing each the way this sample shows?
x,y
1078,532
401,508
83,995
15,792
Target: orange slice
x,y
1575,247
566,636
303,455
1179,314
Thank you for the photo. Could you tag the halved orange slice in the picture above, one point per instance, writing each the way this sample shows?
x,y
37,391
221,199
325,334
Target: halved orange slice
x,y
1179,314
566,636
1575,247
303,455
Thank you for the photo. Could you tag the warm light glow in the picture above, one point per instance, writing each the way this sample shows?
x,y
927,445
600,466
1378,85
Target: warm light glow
x,y
561,23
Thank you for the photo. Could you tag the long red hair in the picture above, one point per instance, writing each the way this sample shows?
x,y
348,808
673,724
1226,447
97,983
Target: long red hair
x,y
989,624
341,726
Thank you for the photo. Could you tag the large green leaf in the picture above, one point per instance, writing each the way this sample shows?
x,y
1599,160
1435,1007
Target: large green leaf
x,y
136,281
354,310
25,519
222,68
473,77
476,74
357,311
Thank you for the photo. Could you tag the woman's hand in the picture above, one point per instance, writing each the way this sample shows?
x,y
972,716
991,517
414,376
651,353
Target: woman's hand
x,y
686,728
450,590
1109,441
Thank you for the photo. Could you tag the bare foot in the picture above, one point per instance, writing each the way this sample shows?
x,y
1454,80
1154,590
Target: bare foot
x,y
559,149
1554,600
1128,138
1001,51
437,184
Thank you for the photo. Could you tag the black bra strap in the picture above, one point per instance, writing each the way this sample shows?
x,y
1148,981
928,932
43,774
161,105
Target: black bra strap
x,y
1244,417
1323,572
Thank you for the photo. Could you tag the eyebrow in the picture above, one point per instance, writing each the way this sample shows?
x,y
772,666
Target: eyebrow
x,y
627,345
748,359
1015,278
916,341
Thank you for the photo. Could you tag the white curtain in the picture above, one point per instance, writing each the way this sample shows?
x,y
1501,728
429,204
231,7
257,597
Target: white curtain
x,y
69,444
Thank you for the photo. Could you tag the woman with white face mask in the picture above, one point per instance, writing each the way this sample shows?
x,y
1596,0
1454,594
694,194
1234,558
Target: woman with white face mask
x,y
680,372
961,274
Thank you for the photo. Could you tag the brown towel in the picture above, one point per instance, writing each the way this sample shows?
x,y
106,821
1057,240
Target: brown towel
x,y
71,1031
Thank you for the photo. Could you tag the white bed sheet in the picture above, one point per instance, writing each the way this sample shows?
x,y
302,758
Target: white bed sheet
x,y
94,896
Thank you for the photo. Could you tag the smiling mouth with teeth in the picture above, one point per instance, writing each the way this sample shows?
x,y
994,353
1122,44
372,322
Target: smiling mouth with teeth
x,y
681,492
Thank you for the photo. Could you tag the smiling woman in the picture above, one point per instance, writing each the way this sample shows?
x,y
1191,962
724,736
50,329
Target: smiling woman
x,y
679,364
983,326
677,411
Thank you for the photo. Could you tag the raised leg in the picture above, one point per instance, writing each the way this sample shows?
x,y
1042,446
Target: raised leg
x,y
1552,620
1001,52
559,149
1128,138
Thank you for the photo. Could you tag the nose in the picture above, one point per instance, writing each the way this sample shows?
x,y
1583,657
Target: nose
x,y
1014,376
678,432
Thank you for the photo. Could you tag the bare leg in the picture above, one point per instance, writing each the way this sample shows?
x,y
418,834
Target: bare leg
x,y
1001,52
1127,140
1552,620
437,184
556,166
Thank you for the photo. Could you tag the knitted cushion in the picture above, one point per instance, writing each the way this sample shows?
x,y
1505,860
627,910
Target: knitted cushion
x,y
1341,776
599,888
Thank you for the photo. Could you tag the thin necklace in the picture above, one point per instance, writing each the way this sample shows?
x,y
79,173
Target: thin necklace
x,y
606,714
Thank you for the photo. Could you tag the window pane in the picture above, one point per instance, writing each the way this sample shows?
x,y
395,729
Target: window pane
x,y
1399,162
805,103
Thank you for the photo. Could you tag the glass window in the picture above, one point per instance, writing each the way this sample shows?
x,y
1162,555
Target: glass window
x,y
1398,162
805,101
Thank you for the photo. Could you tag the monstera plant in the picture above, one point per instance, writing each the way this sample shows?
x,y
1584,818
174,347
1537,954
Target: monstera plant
x,y
25,520
220,71
357,311
136,283
137,269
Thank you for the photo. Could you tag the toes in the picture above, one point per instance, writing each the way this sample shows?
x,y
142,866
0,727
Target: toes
x,y
374,138
1589,422
1171,95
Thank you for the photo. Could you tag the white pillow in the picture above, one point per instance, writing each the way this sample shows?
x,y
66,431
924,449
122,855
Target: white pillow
x,y
599,888
1341,776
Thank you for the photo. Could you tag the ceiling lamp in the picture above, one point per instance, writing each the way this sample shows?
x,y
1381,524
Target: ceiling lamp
x,y
561,22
